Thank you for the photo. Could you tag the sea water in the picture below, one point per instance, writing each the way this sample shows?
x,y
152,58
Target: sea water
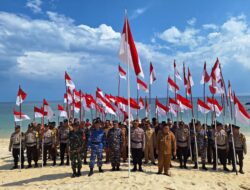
x,y
7,119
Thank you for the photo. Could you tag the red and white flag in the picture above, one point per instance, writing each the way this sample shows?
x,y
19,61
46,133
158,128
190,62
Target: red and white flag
x,y
184,103
176,72
122,72
106,104
141,103
215,106
190,79
19,116
142,85
241,113
130,57
39,112
47,109
152,74
77,95
62,112
215,73
69,83
160,108
184,76
69,96
230,92
77,106
205,77
21,96
173,106
110,98
203,107
172,85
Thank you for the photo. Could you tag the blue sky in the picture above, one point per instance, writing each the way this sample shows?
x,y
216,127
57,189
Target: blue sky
x,y
41,39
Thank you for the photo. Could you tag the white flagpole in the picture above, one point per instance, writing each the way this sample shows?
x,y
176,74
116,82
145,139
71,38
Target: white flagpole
x,y
129,135
20,133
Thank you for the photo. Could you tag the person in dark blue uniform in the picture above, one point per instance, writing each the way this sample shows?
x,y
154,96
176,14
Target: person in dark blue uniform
x,y
96,143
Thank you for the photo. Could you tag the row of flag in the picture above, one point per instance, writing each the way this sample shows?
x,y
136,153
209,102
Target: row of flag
x,y
76,101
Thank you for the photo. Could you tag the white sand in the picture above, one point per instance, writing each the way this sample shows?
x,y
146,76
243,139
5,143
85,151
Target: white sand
x,y
59,177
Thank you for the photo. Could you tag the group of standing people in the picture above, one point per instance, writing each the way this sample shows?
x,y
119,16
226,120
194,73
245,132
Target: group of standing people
x,y
152,141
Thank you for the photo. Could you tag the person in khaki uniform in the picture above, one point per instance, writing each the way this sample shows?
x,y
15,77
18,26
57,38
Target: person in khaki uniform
x,y
124,150
165,147
150,141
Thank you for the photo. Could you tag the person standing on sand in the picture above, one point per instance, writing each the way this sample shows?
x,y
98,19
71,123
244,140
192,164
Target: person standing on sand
x,y
137,145
222,146
14,147
165,147
150,141
63,137
32,145
76,149
48,142
240,147
96,143
182,138
114,143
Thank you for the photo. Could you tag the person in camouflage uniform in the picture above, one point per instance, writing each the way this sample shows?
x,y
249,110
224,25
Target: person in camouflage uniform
x,y
202,143
76,151
114,143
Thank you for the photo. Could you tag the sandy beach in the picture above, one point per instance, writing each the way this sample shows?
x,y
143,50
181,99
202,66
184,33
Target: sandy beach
x,y
59,177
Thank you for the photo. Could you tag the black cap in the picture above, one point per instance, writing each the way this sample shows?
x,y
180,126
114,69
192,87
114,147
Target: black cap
x,y
197,122
97,120
46,125
218,123
115,121
65,120
235,126
17,127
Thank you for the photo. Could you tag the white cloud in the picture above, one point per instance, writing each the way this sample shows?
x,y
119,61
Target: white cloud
x,y
186,38
34,5
137,12
210,26
192,21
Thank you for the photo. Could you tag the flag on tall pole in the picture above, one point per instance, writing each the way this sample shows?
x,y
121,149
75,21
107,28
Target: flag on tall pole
x,y
19,116
128,54
21,96
241,113
142,85
176,72
62,112
69,83
203,107
152,78
122,72
205,76
172,85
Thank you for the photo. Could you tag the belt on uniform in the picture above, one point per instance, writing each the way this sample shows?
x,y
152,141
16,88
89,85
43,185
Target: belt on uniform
x,y
96,143
182,141
221,145
136,142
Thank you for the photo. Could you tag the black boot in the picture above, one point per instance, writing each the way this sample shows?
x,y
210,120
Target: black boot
x,y
62,163
181,166
79,172
185,166
118,168
204,167
134,169
195,166
225,168
234,169
74,173
241,169
67,163
100,170
36,165
54,163
113,168
91,172
140,168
